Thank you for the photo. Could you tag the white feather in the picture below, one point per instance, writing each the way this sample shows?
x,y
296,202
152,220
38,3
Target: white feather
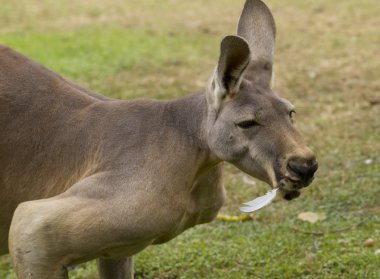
x,y
259,202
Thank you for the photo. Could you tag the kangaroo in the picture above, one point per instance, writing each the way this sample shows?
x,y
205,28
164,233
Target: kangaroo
x,y
86,177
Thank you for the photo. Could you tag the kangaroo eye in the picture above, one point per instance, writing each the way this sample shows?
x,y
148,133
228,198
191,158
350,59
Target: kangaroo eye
x,y
247,124
292,113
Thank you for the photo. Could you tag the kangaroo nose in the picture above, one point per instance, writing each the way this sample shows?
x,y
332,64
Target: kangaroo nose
x,y
303,168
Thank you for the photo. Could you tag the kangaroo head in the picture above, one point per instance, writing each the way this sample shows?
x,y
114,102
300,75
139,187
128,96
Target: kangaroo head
x,y
248,124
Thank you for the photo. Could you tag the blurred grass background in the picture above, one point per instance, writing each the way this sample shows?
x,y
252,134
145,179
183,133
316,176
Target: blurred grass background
x,y
327,64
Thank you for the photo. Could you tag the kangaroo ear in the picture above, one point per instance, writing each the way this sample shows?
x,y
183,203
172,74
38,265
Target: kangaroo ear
x,y
257,26
234,58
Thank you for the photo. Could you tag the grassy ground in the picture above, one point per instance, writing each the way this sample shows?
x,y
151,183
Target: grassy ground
x,y
327,63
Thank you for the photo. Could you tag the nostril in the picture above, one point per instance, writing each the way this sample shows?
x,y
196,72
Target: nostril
x,y
297,168
302,168
313,168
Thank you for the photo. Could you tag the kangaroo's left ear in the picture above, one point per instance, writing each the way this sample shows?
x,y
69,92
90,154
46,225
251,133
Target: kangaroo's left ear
x,y
233,60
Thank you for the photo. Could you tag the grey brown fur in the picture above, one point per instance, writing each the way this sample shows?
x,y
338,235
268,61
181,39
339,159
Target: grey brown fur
x,y
88,177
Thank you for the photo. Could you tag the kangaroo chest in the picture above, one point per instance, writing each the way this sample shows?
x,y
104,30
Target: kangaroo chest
x,y
202,205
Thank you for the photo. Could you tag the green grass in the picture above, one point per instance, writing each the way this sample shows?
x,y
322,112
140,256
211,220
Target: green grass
x,y
326,63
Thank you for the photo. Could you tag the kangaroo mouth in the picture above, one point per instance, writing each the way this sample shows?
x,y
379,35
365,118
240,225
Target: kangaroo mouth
x,y
290,188
289,185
